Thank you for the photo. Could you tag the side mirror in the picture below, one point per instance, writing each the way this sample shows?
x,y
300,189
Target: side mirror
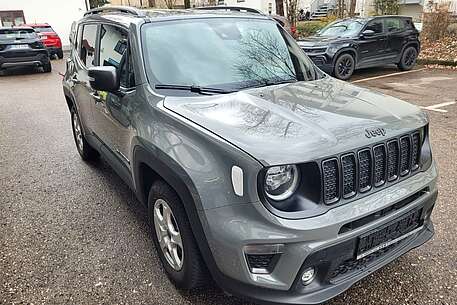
x,y
368,33
104,78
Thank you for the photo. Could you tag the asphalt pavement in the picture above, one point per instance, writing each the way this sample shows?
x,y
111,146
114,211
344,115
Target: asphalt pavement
x,y
73,232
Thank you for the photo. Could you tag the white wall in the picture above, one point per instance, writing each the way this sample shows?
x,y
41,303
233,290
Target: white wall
x,y
58,13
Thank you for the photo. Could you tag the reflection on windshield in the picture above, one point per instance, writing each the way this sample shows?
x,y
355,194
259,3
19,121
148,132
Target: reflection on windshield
x,y
345,28
226,53
12,34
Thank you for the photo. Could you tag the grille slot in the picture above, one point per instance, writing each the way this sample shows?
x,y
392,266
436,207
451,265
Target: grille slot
x,y
331,180
405,155
379,172
415,151
392,160
348,165
365,170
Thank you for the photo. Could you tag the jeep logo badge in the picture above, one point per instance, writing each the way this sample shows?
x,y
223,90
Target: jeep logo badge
x,y
374,132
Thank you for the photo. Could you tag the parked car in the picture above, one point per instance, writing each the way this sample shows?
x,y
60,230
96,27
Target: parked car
x,y
349,44
22,47
256,168
49,37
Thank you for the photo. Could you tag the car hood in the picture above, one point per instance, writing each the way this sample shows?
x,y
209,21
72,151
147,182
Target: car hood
x,y
317,41
299,122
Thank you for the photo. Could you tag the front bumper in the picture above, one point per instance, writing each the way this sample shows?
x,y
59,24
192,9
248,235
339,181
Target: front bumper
x,y
323,62
23,58
316,241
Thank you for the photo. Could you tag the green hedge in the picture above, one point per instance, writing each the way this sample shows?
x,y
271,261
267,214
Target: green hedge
x,y
307,28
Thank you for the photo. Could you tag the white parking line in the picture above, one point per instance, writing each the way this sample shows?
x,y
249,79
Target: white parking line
x,y
386,75
437,106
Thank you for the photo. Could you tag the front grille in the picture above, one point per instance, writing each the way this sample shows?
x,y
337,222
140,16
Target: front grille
x,y
314,50
370,167
331,180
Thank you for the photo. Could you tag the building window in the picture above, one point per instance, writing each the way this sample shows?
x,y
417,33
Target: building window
x,y
11,18
240,1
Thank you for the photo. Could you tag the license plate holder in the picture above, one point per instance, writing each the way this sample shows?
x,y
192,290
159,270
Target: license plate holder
x,y
20,46
390,233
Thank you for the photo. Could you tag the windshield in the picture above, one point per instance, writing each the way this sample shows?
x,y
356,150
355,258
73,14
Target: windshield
x,y
346,28
226,53
16,34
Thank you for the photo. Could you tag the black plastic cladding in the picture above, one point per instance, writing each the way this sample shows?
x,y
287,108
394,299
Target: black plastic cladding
x,y
377,157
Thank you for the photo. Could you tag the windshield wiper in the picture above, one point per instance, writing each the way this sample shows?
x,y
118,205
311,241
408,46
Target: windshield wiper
x,y
193,88
269,82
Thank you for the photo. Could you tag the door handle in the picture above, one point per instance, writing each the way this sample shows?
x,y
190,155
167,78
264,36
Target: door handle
x,y
96,97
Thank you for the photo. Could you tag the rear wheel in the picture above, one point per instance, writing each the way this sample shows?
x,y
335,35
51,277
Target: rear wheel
x,y
59,53
173,238
47,67
84,149
408,59
344,66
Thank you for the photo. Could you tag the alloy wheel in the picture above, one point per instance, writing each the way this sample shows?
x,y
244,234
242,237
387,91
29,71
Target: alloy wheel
x,y
345,67
168,234
410,57
78,132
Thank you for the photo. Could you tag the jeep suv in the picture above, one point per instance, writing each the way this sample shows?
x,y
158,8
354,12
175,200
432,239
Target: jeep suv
x,y
257,170
354,43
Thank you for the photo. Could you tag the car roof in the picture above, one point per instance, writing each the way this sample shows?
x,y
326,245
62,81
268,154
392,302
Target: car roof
x,y
128,15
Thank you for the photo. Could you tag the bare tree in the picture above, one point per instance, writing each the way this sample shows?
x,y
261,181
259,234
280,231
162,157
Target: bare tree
x,y
291,8
170,3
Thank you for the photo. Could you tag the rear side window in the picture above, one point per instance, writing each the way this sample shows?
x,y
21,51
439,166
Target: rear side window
x,y
43,29
375,26
88,45
394,24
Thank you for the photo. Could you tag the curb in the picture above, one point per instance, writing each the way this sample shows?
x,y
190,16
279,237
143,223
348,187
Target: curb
x,y
423,61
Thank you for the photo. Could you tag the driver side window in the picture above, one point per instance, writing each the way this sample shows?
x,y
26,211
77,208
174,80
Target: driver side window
x,y
375,26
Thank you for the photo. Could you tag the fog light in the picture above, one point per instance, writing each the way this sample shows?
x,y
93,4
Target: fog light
x,y
308,276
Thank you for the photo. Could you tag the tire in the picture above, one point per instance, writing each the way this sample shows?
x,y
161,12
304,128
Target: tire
x,y
59,53
86,151
344,66
190,271
408,59
47,68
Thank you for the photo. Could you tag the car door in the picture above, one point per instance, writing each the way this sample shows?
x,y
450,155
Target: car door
x,y
112,110
84,58
399,34
372,48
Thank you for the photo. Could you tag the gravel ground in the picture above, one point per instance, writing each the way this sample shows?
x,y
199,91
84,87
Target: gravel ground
x,y
73,233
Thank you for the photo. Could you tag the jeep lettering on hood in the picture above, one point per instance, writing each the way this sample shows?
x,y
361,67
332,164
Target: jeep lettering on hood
x,y
294,123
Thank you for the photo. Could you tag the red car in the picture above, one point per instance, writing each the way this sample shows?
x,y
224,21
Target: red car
x,y
49,37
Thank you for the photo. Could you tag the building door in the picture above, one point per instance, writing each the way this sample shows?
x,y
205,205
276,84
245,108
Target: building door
x,y
11,18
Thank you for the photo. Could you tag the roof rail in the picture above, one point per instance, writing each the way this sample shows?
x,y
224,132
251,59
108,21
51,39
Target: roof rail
x,y
111,9
230,8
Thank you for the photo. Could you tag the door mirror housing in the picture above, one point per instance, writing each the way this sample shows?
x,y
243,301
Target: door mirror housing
x,y
104,78
368,33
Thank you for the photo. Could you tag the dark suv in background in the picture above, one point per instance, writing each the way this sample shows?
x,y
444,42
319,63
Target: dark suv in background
x,y
22,47
349,44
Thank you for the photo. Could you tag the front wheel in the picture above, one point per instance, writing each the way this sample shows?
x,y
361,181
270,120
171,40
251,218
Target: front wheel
x,y
344,66
408,59
173,238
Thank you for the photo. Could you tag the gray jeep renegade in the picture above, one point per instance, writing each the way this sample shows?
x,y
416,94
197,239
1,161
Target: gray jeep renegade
x,y
259,172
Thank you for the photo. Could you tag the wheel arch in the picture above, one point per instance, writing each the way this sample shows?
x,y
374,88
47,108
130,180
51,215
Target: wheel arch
x,y
347,50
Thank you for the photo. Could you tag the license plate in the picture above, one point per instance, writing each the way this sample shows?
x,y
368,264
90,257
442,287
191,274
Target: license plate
x,y
19,46
389,234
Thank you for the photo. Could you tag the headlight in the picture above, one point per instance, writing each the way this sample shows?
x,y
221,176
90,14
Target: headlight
x,y
281,182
